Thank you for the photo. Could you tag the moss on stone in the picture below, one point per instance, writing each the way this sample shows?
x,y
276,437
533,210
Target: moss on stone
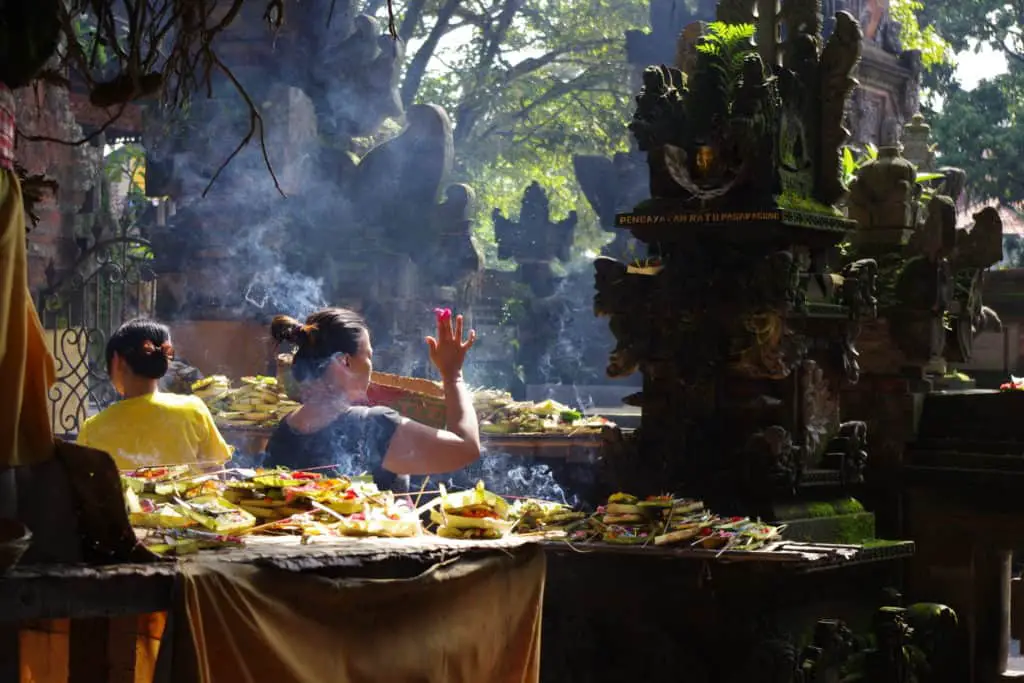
x,y
815,510
848,506
880,543
855,528
793,202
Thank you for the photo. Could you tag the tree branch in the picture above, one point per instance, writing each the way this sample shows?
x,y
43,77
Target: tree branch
x,y
418,66
553,93
469,111
497,37
411,20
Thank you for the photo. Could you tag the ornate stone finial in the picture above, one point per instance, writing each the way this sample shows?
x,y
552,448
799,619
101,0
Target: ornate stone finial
x,y
535,240
917,143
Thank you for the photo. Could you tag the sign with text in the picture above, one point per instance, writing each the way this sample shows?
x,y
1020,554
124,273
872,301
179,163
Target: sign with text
x,y
628,220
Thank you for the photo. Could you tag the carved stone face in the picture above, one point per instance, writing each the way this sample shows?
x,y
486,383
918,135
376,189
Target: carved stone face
x,y
705,160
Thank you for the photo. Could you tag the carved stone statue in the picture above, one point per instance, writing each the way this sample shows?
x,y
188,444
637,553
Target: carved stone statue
x,y
839,58
882,195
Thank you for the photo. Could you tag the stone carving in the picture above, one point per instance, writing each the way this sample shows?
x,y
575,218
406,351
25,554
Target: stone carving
x,y
932,271
870,109
882,196
535,240
735,329
847,451
804,16
858,287
838,60
820,412
769,457
911,95
917,143
620,299
798,114
398,178
613,186
455,252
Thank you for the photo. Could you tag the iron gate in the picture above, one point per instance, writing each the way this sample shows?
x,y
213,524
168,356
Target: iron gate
x,y
112,282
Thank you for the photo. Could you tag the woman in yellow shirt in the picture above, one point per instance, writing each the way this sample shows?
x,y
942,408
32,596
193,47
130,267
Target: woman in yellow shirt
x,y
149,427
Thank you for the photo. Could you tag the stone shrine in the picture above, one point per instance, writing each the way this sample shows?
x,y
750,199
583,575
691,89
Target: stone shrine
x,y
886,97
740,321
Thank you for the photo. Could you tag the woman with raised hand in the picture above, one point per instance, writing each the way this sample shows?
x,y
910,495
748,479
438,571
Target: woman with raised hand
x,y
148,426
332,364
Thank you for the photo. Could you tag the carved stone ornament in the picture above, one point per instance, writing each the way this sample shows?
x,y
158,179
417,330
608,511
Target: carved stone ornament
x,y
917,143
709,143
882,196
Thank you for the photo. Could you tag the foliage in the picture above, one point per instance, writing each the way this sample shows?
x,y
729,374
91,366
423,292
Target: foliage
x,y
125,167
935,50
721,52
982,132
528,83
969,24
979,131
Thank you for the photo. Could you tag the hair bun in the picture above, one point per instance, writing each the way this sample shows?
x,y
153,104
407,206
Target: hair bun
x,y
150,349
287,329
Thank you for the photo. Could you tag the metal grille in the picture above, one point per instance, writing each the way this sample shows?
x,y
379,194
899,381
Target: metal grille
x,y
112,282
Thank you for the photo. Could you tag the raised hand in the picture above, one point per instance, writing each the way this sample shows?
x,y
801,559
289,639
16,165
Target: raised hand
x,y
448,349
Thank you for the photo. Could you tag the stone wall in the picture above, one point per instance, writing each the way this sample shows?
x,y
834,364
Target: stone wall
x,y
45,110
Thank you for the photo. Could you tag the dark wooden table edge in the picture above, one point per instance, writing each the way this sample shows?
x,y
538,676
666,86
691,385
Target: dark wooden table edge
x,y
120,590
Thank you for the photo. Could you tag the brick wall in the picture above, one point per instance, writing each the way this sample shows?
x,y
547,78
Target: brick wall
x,y
44,110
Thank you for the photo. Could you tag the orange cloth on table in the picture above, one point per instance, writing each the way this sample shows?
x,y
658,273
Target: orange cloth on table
x,y
464,621
26,366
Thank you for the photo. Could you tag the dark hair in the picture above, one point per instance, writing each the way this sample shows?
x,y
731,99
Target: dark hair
x,y
145,345
325,333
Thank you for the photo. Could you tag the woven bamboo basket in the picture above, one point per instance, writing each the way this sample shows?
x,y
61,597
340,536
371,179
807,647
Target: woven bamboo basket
x,y
417,399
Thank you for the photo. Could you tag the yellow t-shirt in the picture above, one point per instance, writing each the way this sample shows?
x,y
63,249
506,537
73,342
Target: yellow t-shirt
x,y
156,429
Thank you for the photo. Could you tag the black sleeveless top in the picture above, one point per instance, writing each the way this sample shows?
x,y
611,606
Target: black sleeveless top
x,y
354,443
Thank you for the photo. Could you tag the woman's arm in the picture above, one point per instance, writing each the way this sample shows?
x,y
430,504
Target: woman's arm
x,y
418,449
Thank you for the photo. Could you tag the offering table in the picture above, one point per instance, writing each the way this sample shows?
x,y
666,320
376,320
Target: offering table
x,y
97,599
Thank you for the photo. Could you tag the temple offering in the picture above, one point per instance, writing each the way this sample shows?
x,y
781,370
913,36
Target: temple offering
x,y
264,402
499,413
473,514
1015,384
259,402
174,504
